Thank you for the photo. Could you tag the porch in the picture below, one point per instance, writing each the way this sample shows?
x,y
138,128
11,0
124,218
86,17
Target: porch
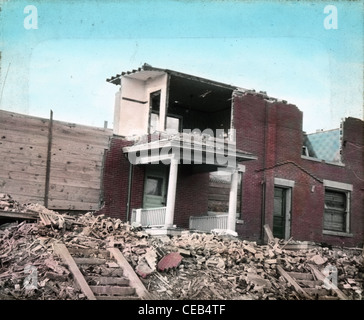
x,y
204,154
155,218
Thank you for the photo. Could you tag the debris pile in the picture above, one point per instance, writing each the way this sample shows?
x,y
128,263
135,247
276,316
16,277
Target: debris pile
x,y
190,266
7,203
28,268
216,267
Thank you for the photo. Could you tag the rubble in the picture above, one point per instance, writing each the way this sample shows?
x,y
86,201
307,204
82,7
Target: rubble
x,y
199,266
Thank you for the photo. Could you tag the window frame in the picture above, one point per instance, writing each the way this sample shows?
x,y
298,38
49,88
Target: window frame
x,y
346,189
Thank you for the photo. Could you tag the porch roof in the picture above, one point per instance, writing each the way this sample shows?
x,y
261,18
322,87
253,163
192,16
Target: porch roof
x,y
186,147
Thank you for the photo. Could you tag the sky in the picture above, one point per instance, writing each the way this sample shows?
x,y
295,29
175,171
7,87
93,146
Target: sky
x,y
59,56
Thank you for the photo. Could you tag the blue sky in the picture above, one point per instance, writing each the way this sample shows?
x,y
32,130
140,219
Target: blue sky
x,y
281,47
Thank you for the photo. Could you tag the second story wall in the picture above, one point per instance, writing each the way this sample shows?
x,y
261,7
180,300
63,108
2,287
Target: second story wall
x,y
133,103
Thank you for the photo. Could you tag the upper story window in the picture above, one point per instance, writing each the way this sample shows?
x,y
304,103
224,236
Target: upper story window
x,y
155,101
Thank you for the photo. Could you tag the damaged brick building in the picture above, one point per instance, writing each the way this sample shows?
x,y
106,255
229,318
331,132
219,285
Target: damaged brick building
x,y
279,175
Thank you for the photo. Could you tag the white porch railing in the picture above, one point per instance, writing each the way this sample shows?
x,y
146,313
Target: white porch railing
x,y
153,217
208,223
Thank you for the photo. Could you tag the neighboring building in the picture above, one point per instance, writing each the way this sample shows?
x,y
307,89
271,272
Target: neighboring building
x,y
268,172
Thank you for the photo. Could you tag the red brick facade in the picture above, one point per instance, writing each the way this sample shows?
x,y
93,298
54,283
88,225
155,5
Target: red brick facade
x,y
191,196
116,181
272,131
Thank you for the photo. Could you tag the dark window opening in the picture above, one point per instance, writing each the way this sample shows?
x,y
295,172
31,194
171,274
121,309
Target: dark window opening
x,y
154,186
336,205
155,101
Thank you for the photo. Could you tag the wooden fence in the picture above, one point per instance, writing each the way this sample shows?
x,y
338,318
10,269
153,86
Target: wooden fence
x,y
49,162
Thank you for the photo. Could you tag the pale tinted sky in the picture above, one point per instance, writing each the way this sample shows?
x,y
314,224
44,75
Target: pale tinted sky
x,y
280,47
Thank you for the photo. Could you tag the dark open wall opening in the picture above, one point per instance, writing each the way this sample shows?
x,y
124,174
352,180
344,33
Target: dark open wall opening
x,y
199,105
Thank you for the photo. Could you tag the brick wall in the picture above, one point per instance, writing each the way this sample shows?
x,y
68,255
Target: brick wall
x,y
192,188
115,181
192,195
273,132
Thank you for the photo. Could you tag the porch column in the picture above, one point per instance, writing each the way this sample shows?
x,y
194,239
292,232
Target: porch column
x,y
171,195
233,200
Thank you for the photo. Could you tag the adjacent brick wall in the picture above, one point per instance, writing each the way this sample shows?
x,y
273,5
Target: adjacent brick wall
x,y
273,132
115,181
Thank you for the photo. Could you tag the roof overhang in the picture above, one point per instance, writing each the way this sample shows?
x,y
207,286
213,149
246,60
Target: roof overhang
x,y
147,71
215,152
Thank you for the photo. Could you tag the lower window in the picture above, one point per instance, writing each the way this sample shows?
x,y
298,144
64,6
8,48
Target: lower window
x,y
336,216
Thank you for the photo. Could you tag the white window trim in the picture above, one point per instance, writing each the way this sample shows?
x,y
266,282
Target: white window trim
x,y
338,185
283,182
347,189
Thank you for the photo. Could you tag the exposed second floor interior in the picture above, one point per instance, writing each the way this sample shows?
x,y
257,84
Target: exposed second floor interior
x,y
166,103
154,100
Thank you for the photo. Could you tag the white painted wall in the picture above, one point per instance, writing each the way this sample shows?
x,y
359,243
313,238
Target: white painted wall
x,y
155,84
131,118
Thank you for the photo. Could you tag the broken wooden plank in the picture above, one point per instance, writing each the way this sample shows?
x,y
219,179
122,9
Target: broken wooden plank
x,y
93,261
18,215
89,251
135,282
62,251
113,290
317,291
269,233
292,282
118,298
301,275
287,242
299,246
249,248
120,281
322,278
309,283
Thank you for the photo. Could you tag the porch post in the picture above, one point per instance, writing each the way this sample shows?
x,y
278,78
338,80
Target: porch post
x,y
171,195
233,201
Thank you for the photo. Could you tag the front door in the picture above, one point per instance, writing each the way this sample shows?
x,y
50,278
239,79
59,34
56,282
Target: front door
x,y
279,213
155,186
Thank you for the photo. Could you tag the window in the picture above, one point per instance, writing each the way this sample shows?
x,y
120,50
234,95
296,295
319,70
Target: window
x,y
154,101
154,186
305,151
337,208
219,192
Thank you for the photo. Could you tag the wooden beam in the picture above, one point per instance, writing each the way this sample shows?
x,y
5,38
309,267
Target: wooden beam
x,y
62,251
293,282
109,280
93,261
49,155
113,290
321,277
269,233
135,282
18,215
